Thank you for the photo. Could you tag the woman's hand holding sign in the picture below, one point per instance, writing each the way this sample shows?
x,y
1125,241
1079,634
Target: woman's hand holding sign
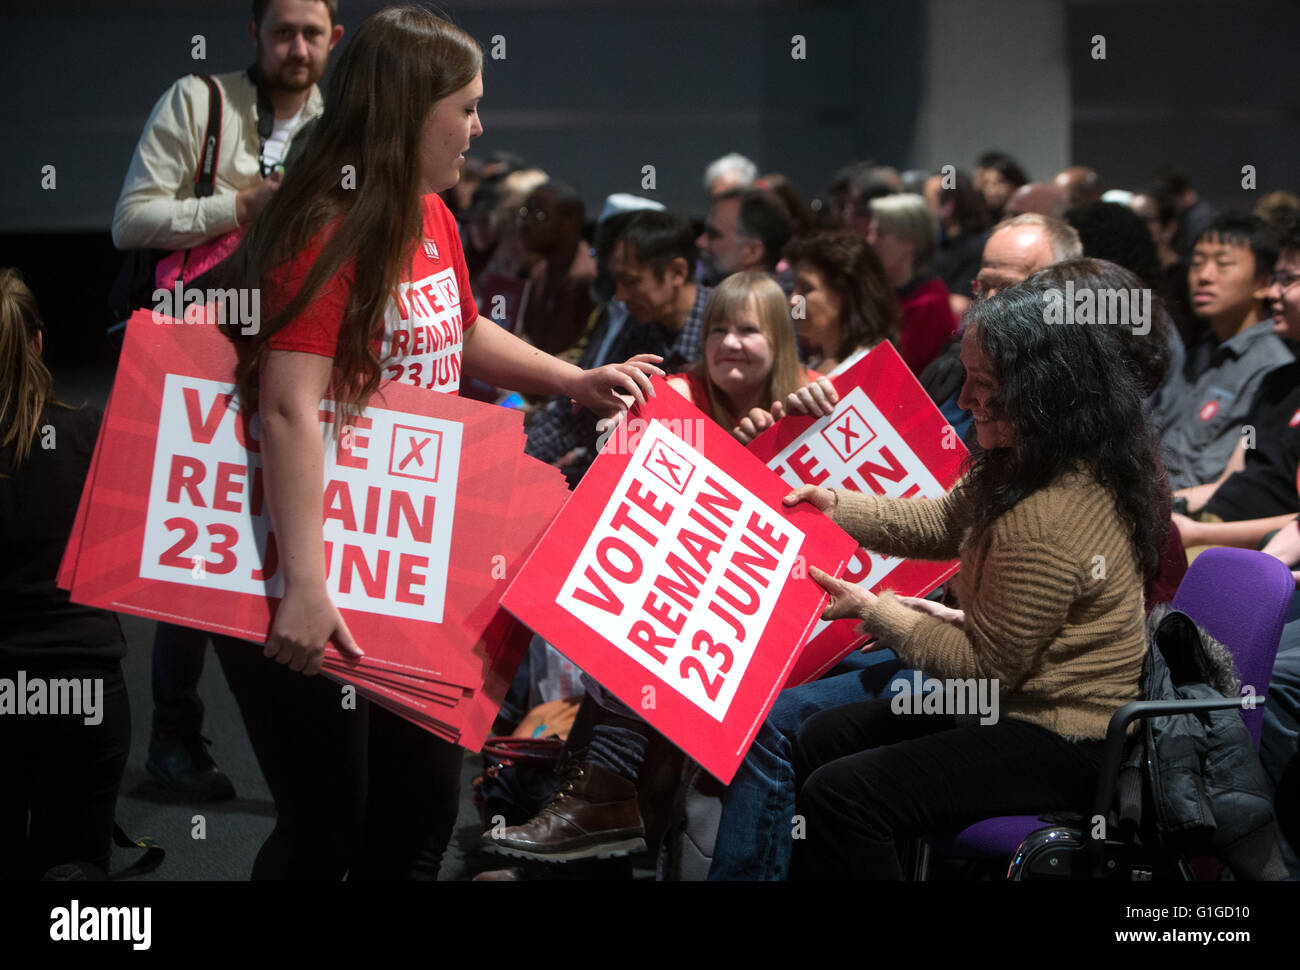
x,y
755,423
305,622
822,499
817,399
605,389
292,384
849,601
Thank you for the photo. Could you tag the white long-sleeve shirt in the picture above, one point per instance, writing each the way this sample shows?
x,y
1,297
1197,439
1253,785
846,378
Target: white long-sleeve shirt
x,y
157,208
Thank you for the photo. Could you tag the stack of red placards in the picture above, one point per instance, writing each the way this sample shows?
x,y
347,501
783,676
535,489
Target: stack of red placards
x,y
430,507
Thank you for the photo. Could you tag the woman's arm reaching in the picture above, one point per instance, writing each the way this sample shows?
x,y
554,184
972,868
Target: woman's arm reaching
x,y
498,357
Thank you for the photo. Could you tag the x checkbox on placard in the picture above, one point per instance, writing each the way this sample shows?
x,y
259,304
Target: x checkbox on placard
x,y
415,453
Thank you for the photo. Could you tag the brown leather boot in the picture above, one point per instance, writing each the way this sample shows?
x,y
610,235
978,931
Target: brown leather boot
x,y
592,815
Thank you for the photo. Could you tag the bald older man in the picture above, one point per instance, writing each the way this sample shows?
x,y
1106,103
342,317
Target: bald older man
x,y
1080,185
1021,246
1017,248
1043,198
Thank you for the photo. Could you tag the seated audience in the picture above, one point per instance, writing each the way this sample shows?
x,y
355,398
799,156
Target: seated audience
x,y
750,356
842,306
1161,219
1043,198
842,301
1279,742
1278,208
754,835
1256,494
651,264
1079,184
997,175
1116,233
963,228
905,242
1016,248
1174,190
802,219
867,183
733,171
559,299
746,230
508,257
1198,415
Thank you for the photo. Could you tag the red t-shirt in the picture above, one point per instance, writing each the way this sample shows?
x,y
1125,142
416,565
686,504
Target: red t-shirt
x,y
424,322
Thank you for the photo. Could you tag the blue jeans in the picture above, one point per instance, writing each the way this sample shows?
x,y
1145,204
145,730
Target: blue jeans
x,y
1279,742
618,735
755,832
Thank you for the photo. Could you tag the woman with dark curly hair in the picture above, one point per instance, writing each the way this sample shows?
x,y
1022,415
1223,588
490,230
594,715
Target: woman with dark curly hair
x,y
1057,522
842,301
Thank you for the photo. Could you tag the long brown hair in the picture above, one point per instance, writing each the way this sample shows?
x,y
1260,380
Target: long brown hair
x,y
725,302
28,386
400,62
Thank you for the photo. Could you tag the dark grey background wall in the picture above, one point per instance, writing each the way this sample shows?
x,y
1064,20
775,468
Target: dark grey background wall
x,y
1211,84
594,91
591,92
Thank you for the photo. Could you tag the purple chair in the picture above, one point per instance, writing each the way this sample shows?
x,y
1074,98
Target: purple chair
x,y
1238,596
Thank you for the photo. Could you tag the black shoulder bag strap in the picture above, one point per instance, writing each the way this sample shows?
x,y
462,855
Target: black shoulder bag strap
x,y
265,119
205,177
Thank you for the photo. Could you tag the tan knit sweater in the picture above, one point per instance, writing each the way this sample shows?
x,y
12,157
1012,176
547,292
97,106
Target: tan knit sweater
x,y
1062,630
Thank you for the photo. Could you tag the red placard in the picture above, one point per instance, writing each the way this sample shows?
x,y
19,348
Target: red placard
x,y
884,436
679,581
422,530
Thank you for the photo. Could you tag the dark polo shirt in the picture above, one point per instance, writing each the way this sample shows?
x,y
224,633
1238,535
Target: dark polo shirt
x,y
1198,415
1267,485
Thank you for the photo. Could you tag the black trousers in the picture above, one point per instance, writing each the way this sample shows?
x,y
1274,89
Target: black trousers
x,y
869,778
178,653
59,776
358,792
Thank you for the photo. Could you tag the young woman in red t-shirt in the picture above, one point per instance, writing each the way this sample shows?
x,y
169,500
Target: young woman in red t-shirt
x,y
364,280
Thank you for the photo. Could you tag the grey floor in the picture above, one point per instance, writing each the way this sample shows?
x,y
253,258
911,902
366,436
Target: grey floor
x,y
232,831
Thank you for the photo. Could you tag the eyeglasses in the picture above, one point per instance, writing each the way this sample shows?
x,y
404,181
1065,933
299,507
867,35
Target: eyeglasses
x,y
524,213
1283,280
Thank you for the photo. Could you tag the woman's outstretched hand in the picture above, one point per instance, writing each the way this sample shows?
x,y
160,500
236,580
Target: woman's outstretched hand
x,y
305,622
849,601
600,388
822,499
